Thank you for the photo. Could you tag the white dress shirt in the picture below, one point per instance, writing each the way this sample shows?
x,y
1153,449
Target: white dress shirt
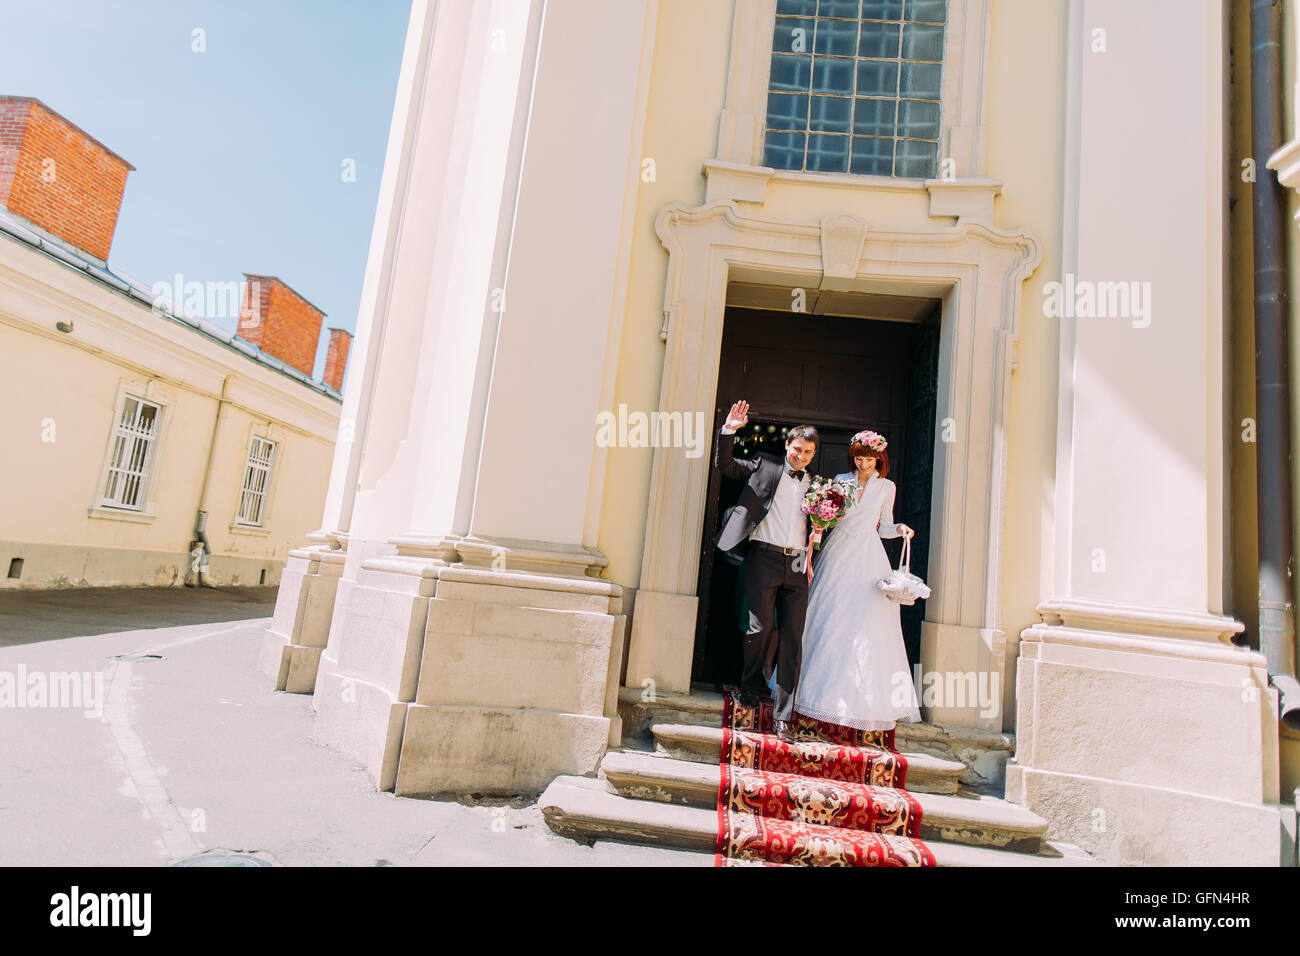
x,y
785,524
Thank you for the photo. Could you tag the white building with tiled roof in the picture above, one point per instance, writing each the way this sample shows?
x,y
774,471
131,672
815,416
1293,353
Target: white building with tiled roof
x,y
146,445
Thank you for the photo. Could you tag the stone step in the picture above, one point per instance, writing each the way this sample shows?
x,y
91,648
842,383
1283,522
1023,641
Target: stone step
x,y
582,809
983,752
976,821
925,773
639,708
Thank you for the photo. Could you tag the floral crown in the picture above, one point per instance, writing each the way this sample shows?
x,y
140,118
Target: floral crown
x,y
873,440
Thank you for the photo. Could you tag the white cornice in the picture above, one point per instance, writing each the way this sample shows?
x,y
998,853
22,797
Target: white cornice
x,y
1088,615
1286,161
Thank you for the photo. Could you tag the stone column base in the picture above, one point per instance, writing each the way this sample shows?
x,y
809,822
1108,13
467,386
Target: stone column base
x,y
495,749
443,678
1146,749
304,606
367,676
1128,824
518,683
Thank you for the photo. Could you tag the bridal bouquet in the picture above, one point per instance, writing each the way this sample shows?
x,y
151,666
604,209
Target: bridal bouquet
x,y
825,503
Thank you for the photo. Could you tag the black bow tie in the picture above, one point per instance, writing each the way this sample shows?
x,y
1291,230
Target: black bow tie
x,y
796,475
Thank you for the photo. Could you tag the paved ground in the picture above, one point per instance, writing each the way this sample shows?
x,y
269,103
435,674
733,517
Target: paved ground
x,y
30,616
159,760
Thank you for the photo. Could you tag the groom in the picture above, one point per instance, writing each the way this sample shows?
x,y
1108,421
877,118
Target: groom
x,y
770,530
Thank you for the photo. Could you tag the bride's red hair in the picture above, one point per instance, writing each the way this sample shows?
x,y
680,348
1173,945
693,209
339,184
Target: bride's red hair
x,y
862,450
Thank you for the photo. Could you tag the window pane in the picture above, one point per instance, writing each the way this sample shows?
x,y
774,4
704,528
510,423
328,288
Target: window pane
x,y
138,452
872,157
838,37
855,86
838,8
882,9
793,36
918,119
920,81
131,491
129,408
791,72
927,11
922,42
787,111
110,490
874,117
828,154
784,150
831,114
879,40
833,76
917,159
877,78
118,457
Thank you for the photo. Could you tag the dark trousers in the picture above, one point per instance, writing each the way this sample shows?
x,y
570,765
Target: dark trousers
x,y
776,588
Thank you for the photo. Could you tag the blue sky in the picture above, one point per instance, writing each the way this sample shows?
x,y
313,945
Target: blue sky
x,y
238,150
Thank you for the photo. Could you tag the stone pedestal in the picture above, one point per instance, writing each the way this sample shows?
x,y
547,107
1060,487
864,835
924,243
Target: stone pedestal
x,y
1148,750
368,676
514,685
300,629
452,678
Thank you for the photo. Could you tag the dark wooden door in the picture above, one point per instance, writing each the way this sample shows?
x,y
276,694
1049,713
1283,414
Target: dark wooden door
x,y
841,375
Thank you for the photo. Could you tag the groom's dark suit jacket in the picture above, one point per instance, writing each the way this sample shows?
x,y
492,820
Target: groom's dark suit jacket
x,y
763,474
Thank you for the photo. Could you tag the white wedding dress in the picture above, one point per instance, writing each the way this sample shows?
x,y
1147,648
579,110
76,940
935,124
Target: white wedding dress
x,y
855,671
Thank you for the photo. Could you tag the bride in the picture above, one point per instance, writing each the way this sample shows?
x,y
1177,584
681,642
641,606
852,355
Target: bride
x,y
855,670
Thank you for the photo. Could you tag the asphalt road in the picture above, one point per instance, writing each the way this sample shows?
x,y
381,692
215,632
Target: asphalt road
x,y
27,617
164,742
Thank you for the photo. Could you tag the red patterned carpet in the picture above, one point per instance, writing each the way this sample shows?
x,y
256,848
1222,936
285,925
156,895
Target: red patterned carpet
x,y
837,801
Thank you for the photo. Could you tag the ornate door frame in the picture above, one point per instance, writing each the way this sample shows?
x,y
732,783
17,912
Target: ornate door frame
x,y
977,271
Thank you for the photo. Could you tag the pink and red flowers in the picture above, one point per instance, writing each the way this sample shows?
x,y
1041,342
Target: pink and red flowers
x,y
825,503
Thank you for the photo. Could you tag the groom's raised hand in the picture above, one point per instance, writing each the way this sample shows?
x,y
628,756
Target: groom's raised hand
x,y
738,416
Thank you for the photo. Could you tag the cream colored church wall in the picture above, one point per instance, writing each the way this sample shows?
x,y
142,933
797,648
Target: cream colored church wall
x,y
1027,153
687,86
1026,90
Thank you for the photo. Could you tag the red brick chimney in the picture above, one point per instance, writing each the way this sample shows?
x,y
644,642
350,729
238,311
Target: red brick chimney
x,y
58,177
280,322
336,359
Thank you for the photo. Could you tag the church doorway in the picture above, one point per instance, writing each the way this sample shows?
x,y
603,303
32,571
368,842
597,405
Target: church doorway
x,y
841,373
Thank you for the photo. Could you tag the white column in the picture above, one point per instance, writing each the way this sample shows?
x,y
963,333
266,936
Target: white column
x,y
522,649
1131,679
470,67
304,608
470,648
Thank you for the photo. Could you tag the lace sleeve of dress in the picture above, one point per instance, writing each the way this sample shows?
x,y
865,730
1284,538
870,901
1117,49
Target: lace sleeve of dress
x,y
887,527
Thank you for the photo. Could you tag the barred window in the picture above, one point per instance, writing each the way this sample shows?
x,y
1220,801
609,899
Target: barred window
x,y
252,499
854,87
132,454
